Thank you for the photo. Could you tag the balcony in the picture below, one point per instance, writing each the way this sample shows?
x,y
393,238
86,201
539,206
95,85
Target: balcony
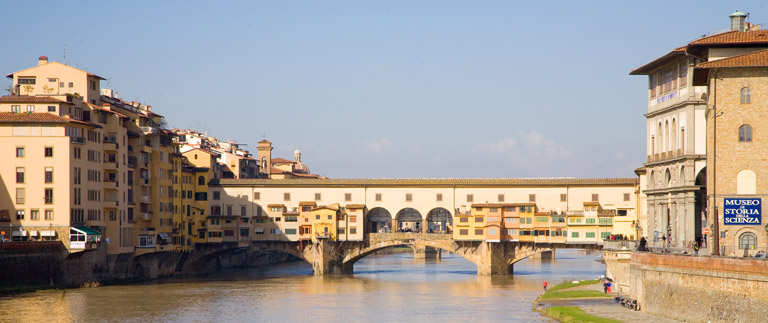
x,y
110,184
146,216
145,199
110,204
148,130
131,162
110,144
111,165
78,140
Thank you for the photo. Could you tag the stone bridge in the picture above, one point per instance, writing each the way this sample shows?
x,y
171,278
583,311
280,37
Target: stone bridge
x,y
338,257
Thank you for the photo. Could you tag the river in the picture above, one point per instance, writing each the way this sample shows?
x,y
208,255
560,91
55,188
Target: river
x,y
383,288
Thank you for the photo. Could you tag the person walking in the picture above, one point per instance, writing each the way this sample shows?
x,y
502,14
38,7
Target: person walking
x,y
545,285
608,285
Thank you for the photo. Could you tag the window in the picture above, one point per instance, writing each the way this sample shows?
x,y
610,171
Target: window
x,y
493,231
20,193
290,231
19,214
48,175
286,196
478,231
243,210
510,208
48,151
590,221
501,197
30,108
342,230
201,180
745,133
20,175
353,230
317,217
531,197
463,219
683,74
378,197
216,195
574,234
19,151
16,108
595,197
51,108
463,232
439,197
408,197
563,197
347,197
626,197
478,219
352,219
746,96
589,235
48,196
318,197
330,216
747,240
27,80
653,80
34,214
256,196
93,85
494,210
470,198
71,84
605,235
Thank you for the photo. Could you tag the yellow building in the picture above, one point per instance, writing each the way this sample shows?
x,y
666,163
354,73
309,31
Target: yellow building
x,y
324,224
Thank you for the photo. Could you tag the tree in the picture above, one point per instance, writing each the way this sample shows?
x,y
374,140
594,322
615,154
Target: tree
x,y
9,89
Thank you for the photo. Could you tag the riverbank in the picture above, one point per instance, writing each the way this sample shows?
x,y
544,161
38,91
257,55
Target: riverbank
x,y
585,301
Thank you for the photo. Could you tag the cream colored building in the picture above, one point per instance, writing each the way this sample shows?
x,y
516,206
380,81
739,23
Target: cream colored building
x,y
676,180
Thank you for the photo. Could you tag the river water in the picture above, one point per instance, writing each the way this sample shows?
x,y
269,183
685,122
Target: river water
x,y
383,288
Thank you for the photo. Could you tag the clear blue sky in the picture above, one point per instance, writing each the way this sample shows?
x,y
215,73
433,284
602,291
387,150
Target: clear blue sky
x,y
385,88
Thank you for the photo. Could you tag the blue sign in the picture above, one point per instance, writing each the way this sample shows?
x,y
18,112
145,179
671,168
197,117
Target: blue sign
x,y
741,211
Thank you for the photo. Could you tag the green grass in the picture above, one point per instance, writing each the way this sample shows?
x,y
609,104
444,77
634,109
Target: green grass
x,y
12,290
572,314
570,284
573,294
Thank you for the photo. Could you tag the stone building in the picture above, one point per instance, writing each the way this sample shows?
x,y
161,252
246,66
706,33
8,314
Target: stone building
x,y
675,170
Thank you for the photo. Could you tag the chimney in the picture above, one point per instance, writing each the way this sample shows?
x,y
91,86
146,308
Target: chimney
x,y
42,60
738,21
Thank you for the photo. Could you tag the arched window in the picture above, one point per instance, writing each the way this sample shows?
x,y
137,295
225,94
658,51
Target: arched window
x,y
746,96
747,240
746,181
745,133
673,136
264,162
661,139
201,180
681,179
666,136
651,184
667,178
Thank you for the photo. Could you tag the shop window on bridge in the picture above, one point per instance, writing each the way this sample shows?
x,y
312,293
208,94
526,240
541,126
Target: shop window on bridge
x,y
290,231
463,219
340,231
470,198
574,234
541,219
590,221
558,219
353,230
512,232
510,209
606,221
463,232
243,232
479,232
621,213
589,234
493,231
605,235
478,219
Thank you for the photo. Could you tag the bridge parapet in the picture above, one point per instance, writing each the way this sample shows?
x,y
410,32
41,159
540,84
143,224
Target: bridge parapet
x,y
619,244
408,236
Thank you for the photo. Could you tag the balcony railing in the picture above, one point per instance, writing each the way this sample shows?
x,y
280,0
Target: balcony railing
x,y
78,140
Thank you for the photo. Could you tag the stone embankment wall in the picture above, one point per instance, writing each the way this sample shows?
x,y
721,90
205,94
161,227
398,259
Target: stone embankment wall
x,y
700,288
51,264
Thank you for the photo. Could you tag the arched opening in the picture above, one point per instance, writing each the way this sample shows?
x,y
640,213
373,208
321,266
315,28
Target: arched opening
x,y
700,219
747,241
681,177
666,136
379,220
673,136
651,183
409,220
201,180
439,220
667,178
661,139
745,133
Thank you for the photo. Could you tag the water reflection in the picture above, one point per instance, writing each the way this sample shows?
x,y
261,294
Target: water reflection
x,y
384,288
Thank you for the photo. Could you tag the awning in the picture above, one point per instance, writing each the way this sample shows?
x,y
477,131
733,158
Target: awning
x,y
19,233
87,230
258,230
47,233
163,235
33,233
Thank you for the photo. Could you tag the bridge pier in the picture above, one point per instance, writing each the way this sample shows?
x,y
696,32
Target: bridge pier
x,y
326,260
424,252
493,258
544,255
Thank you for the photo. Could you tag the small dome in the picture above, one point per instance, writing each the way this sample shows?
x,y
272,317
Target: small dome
x,y
738,14
297,152
300,168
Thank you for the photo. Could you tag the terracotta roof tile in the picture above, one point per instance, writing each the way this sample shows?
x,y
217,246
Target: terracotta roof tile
x,y
503,204
33,117
355,206
281,161
29,99
307,203
275,205
734,37
754,59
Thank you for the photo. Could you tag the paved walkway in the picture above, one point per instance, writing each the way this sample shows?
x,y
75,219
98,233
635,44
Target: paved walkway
x,y
606,307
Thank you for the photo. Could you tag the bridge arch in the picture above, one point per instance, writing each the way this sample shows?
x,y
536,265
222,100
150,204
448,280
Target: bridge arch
x,y
409,220
439,220
378,220
352,257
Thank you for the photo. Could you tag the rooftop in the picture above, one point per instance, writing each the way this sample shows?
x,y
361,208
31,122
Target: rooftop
x,y
433,182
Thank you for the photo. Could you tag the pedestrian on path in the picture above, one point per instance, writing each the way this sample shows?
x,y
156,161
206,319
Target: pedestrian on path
x,y
605,287
608,287
545,285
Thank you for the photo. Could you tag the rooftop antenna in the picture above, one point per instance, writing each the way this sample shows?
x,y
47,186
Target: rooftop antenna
x,y
65,53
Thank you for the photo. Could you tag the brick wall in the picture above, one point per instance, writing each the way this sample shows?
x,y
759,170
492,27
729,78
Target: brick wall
x,y
700,288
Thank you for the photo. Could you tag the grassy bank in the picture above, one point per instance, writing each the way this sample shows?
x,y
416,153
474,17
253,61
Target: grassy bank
x,y
567,285
13,290
573,294
572,314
